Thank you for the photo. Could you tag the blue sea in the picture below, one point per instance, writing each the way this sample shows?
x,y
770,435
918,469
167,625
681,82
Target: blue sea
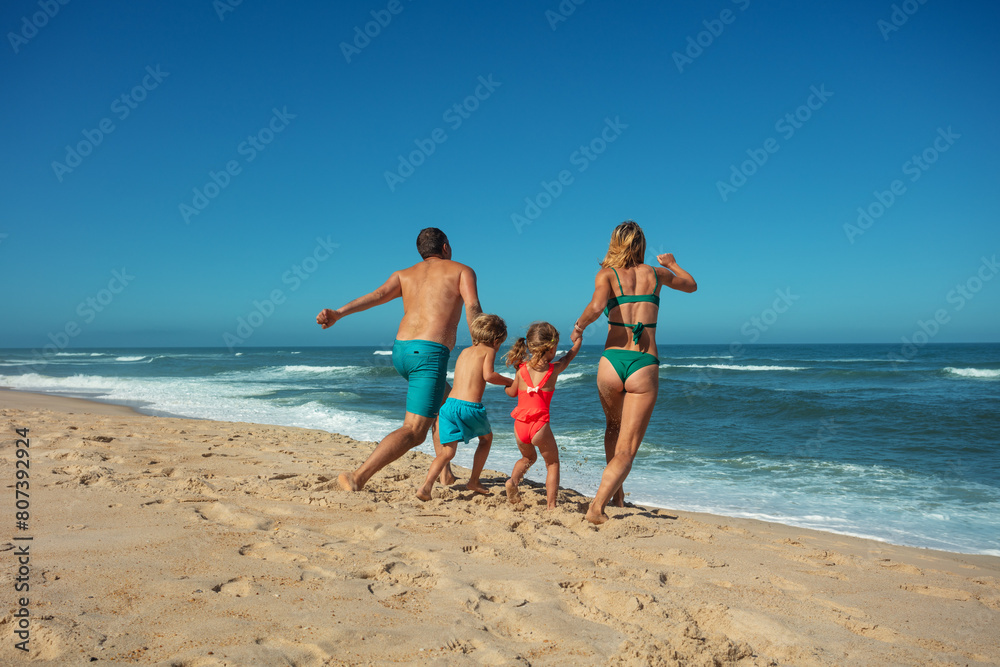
x,y
842,438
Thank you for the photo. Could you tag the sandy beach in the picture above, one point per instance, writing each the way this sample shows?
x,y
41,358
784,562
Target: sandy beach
x,y
191,542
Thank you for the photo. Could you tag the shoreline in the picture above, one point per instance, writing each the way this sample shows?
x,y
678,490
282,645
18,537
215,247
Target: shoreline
x,y
237,540
56,402
60,403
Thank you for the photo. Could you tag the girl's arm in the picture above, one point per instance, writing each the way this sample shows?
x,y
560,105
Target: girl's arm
x,y
490,374
676,278
512,389
562,362
602,291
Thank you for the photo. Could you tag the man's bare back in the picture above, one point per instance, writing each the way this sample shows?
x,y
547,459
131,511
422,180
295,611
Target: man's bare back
x,y
433,292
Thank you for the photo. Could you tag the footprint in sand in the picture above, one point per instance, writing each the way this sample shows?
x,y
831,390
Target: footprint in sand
x,y
272,552
901,567
240,587
934,591
229,516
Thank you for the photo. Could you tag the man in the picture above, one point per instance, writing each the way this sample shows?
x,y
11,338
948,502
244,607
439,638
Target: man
x,y
433,292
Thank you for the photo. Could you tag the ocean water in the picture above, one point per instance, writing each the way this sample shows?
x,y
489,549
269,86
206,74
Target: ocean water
x,y
832,437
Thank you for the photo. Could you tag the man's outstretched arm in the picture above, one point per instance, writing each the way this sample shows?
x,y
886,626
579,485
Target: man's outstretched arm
x,y
389,290
470,295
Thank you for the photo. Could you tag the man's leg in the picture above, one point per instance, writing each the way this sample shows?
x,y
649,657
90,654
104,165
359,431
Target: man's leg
x,y
394,445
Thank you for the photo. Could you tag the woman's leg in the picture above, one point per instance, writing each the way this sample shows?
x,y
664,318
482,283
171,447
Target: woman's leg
x,y
546,443
637,407
612,393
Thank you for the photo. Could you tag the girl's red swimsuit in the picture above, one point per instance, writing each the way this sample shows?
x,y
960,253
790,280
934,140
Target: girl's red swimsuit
x,y
532,411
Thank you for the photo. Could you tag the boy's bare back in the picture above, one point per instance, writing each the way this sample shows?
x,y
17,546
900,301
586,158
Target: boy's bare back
x,y
472,368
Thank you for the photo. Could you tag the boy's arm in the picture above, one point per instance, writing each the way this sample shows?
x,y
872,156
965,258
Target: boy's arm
x,y
389,290
490,374
563,361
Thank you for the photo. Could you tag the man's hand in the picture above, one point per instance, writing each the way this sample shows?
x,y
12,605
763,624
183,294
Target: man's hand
x,y
666,259
327,318
576,335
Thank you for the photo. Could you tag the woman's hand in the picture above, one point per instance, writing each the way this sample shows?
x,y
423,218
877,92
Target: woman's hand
x,y
666,259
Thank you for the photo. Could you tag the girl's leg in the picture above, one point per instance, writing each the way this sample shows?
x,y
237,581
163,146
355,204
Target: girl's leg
x,y
612,394
478,462
637,407
440,462
546,443
528,457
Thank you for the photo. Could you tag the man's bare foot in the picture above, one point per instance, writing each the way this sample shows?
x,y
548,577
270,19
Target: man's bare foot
x,y
347,483
446,477
423,494
595,517
478,488
513,495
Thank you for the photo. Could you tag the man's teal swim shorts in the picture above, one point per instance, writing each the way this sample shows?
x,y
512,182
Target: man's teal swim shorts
x,y
424,365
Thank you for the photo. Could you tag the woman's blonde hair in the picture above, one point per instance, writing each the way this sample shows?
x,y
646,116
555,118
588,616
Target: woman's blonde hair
x,y
540,339
489,329
627,247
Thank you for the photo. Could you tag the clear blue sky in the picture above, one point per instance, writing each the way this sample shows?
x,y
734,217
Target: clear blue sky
x,y
200,90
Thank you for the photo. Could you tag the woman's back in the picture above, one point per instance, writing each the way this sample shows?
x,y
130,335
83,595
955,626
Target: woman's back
x,y
633,318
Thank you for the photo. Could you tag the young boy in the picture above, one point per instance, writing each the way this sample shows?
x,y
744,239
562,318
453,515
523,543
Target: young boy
x,y
463,417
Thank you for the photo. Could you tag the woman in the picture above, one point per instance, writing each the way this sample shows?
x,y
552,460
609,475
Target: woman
x,y
628,379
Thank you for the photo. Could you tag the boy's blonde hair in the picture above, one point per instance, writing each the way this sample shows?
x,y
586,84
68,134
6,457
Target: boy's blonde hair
x,y
540,339
489,329
627,247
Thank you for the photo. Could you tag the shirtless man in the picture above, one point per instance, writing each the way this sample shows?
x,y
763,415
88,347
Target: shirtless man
x,y
433,292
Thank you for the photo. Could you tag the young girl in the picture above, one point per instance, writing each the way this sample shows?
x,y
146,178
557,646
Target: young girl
x,y
534,384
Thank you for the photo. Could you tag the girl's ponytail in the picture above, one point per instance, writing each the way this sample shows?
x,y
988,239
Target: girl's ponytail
x,y
517,353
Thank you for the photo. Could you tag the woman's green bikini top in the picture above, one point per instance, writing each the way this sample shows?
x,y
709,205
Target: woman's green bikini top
x,y
632,298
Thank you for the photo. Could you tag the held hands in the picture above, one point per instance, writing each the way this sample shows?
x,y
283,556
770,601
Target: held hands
x,y
327,318
577,335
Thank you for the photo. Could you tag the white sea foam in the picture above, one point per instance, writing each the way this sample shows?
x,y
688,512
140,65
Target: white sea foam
x,y
382,352
311,369
981,373
207,399
140,358
733,367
